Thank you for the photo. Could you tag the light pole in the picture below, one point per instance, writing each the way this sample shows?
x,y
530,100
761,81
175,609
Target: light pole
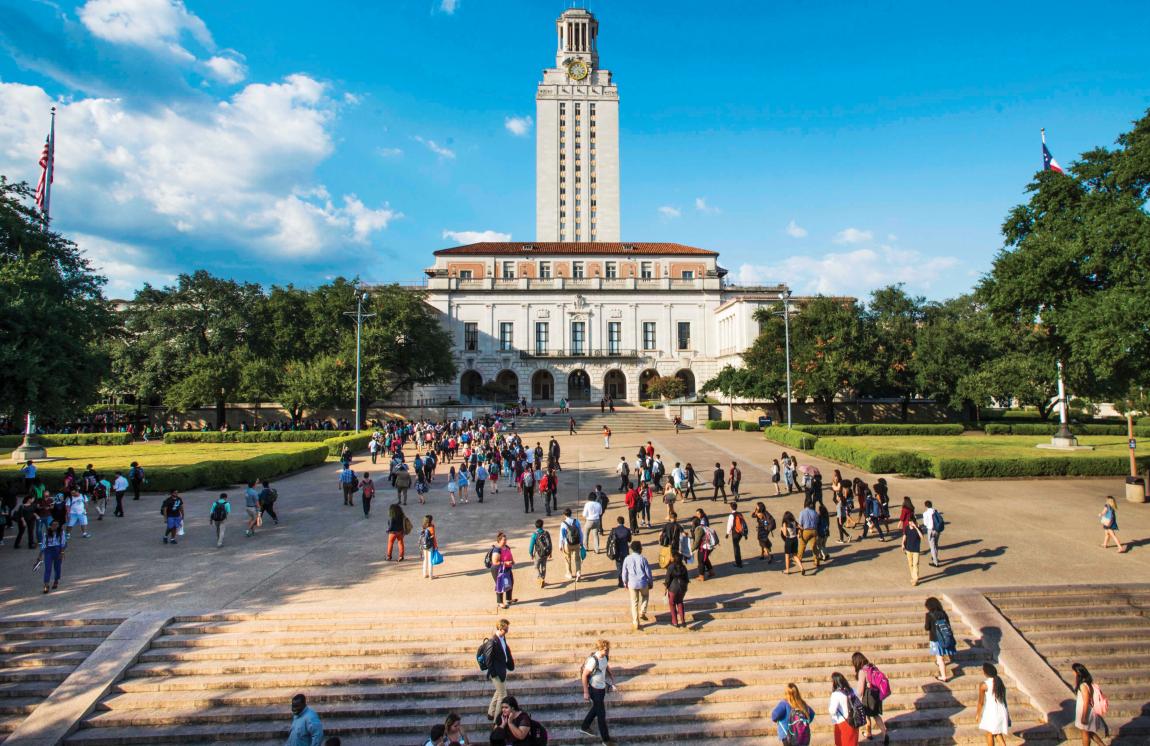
x,y
361,297
787,336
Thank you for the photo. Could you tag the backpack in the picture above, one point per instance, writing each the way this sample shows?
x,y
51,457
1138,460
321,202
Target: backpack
x,y
543,544
740,525
603,499
574,533
219,512
273,495
1099,703
856,713
133,473
612,550
944,633
100,491
407,526
483,654
798,728
938,524
710,538
878,681
487,557
537,735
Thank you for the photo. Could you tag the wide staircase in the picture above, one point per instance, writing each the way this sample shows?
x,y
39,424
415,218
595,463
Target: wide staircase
x,y
385,678
36,655
1105,629
589,420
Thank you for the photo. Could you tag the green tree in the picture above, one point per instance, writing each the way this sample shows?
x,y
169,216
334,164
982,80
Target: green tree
x,y
829,351
53,316
892,318
955,340
1076,261
666,387
308,385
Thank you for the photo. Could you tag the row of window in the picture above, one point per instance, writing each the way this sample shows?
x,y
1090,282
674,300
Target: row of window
x,y
578,336
578,271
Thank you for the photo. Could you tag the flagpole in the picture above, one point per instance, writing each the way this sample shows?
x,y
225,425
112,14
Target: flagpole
x,y
51,168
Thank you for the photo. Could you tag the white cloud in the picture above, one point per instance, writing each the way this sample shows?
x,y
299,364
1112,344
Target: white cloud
x,y
670,212
126,266
434,147
854,273
702,206
853,235
794,230
466,237
389,152
237,174
518,126
351,99
449,6
227,69
159,25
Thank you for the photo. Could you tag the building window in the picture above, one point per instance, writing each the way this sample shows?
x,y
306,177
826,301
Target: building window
x,y
612,269
688,274
578,337
509,270
506,333
646,271
614,337
684,335
540,337
470,336
465,274
577,267
648,335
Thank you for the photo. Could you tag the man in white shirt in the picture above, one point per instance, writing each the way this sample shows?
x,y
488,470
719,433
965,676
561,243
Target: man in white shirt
x,y
593,519
77,513
680,478
928,520
119,487
624,472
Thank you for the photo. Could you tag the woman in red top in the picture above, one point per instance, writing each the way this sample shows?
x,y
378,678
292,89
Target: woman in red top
x,y
501,567
906,515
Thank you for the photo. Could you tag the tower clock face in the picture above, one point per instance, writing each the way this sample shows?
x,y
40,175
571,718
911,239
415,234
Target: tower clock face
x,y
578,70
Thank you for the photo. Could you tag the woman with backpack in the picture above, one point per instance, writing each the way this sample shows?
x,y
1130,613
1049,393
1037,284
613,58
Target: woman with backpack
x,y
789,530
699,531
764,525
846,711
942,643
428,543
676,582
1089,706
875,687
367,492
793,716
502,569
992,715
1109,519
52,547
823,533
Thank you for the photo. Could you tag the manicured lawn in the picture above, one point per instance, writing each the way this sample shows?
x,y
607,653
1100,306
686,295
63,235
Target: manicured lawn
x,y
983,446
181,466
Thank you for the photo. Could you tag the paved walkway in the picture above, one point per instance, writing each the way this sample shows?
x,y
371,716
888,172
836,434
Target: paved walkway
x,y
1000,533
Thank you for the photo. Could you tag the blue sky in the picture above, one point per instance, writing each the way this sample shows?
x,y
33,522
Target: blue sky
x,y
833,146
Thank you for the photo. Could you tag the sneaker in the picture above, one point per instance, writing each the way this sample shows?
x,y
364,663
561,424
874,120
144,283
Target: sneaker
x,y
165,540
85,535
175,542
587,732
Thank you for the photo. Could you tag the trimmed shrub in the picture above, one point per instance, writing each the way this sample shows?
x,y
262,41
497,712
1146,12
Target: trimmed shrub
x,y
1048,466
875,461
792,438
718,425
353,441
71,439
214,473
266,436
749,427
1035,429
1143,421
955,428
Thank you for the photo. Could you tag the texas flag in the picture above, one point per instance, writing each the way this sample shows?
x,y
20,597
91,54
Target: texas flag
x,y
1048,162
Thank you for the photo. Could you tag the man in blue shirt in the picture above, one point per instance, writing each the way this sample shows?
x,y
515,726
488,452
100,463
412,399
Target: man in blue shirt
x,y
306,729
808,532
638,579
347,484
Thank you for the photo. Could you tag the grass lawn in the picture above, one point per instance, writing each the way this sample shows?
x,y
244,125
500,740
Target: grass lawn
x,y
979,457
181,466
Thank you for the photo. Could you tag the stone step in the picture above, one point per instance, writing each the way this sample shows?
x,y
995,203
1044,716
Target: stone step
x,y
36,660
35,673
47,645
18,705
8,723
1081,625
74,632
51,622
25,689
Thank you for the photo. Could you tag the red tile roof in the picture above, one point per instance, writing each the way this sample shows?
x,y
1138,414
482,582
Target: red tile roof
x,y
529,248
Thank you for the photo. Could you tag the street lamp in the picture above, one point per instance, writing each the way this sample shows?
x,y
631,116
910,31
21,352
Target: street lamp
x,y
787,337
361,297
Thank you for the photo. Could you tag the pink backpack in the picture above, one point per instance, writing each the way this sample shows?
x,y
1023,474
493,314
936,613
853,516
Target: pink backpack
x,y
878,681
1100,705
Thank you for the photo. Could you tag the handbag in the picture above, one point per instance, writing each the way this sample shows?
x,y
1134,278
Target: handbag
x,y
664,557
436,557
582,552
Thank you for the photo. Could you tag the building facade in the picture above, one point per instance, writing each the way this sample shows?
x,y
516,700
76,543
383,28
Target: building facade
x,y
577,139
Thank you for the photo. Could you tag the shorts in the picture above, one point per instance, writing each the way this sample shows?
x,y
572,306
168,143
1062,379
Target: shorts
x,y
253,513
872,703
77,519
791,546
173,524
936,649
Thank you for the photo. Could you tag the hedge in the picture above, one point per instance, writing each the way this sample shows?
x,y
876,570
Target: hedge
x,y
353,441
1047,466
266,436
71,439
748,427
906,463
882,429
1036,429
215,473
793,438
718,425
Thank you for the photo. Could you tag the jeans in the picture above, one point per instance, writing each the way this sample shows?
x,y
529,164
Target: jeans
x,y
119,504
598,712
623,482
26,526
479,489
619,569
877,523
932,540
633,517
675,602
529,500
844,535
136,484
220,528
52,559
737,539
541,567
639,599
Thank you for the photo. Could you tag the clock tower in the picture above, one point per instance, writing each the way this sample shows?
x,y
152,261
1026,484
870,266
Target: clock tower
x,y
577,139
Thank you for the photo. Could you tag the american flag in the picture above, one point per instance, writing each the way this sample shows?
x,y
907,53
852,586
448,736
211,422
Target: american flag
x,y
46,175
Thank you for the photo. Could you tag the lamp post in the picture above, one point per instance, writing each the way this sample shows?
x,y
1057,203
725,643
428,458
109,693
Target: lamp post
x,y
787,337
361,297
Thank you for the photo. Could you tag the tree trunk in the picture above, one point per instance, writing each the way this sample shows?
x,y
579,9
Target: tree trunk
x,y
221,413
905,408
829,409
781,408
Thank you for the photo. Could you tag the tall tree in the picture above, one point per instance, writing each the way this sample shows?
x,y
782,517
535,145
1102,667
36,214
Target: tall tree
x,y
53,316
829,351
893,318
956,339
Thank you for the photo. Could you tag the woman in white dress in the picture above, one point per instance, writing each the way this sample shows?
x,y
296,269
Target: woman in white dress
x,y
1087,719
992,715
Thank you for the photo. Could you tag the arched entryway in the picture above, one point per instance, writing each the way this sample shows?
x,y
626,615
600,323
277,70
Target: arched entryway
x,y
688,379
508,384
470,383
645,378
615,385
579,386
542,386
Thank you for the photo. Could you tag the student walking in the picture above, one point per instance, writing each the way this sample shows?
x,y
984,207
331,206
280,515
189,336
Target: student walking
x,y
701,536
252,508
428,545
734,479
267,500
597,679
777,476
347,485
1109,519
764,527
736,531
719,482
367,485
844,702
503,570
136,479
119,487
932,520
452,485
875,687
396,529
677,579
499,663
306,728
218,516
637,579
527,487
593,518
1089,706
607,438
623,469
789,530
942,642
571,544
809,534
992,715
173,512
77,513
912,547
617,543
403,484
52,547
540,551
793,717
